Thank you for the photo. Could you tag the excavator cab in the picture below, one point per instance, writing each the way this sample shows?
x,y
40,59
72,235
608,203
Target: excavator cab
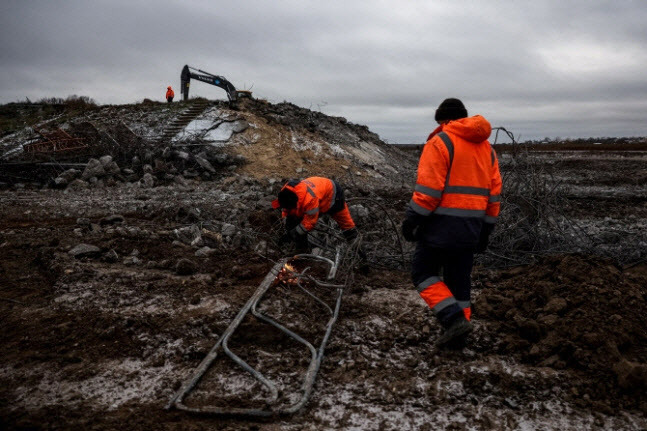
x,y
244,94
189,72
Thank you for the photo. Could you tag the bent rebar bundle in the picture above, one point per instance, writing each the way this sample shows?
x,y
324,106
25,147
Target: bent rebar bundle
x,y
316,354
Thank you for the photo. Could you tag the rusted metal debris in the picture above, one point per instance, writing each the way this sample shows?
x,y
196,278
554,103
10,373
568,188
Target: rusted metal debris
x,y
278,272
51,143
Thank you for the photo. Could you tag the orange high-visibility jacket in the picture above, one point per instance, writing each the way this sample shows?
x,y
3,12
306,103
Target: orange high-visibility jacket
x,y
170,93
315,196
458,173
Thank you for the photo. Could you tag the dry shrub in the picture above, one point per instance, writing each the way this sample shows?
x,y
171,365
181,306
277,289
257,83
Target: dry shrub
x,y
73,101
533,219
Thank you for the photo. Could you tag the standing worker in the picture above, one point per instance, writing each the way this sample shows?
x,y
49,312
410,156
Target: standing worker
x,y
169,94
302,202
455,204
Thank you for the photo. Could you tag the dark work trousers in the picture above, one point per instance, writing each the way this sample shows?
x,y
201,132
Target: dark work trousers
x,y
169,99
453,266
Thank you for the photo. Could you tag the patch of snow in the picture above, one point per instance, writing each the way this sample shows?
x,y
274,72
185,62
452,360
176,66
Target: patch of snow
x,y
198,125
232,383
211,303
222,133
129,302
337,150
340,409
119,382
303,144
404,297
377,322
12,143
451,387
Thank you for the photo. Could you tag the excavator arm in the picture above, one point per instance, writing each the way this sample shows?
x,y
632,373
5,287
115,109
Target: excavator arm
x,y
189,73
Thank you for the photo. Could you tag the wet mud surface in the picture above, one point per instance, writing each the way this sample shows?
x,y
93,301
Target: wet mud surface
x,y
103,340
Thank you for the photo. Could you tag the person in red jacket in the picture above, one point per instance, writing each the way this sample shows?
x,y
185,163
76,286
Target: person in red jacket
x,y
170,94
302,202
455,204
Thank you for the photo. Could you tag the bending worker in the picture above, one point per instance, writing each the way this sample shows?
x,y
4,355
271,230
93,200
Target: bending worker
x,y
170,94
302,202
455,204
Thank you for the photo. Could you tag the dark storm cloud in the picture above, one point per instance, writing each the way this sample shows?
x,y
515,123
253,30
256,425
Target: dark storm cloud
x,y
544,68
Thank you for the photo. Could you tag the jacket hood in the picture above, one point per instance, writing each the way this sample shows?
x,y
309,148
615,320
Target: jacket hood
x,y
289,186
474,129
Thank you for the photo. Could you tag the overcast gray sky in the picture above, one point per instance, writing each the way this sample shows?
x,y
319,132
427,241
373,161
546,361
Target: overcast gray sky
x,y
539,68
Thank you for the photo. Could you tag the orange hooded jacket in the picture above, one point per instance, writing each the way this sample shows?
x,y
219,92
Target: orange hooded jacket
x,y
169,92
458,177
315,196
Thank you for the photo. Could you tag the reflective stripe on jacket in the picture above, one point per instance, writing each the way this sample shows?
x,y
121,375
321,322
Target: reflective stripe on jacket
x,y
315,196
458,183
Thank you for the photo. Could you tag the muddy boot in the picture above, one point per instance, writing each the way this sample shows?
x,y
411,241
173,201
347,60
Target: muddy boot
x,y
459,329
458,343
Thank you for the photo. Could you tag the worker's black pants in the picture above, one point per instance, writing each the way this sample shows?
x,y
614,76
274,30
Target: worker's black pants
x,y
169,99
453,266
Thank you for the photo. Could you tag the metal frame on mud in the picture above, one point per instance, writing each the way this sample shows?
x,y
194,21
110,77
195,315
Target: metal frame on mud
x,y
252,305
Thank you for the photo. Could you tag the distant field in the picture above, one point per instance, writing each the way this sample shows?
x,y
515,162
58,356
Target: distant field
x,y
577,146
605,144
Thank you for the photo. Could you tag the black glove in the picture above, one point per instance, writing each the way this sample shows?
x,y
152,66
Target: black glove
x,y
350,234
410,229
299,238
292,235
285,239
484,238
411,225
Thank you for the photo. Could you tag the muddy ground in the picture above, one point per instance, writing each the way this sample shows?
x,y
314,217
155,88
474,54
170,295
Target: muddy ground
x,y
103,339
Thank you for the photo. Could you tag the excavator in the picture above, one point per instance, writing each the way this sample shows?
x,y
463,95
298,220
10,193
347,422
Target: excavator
x,y
189,72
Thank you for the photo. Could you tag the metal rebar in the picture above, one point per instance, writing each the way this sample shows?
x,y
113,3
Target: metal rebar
x,y
333,268
190,383
251,305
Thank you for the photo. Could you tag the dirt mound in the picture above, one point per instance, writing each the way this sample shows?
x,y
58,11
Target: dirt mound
x,y
208,139
286,141
578,313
